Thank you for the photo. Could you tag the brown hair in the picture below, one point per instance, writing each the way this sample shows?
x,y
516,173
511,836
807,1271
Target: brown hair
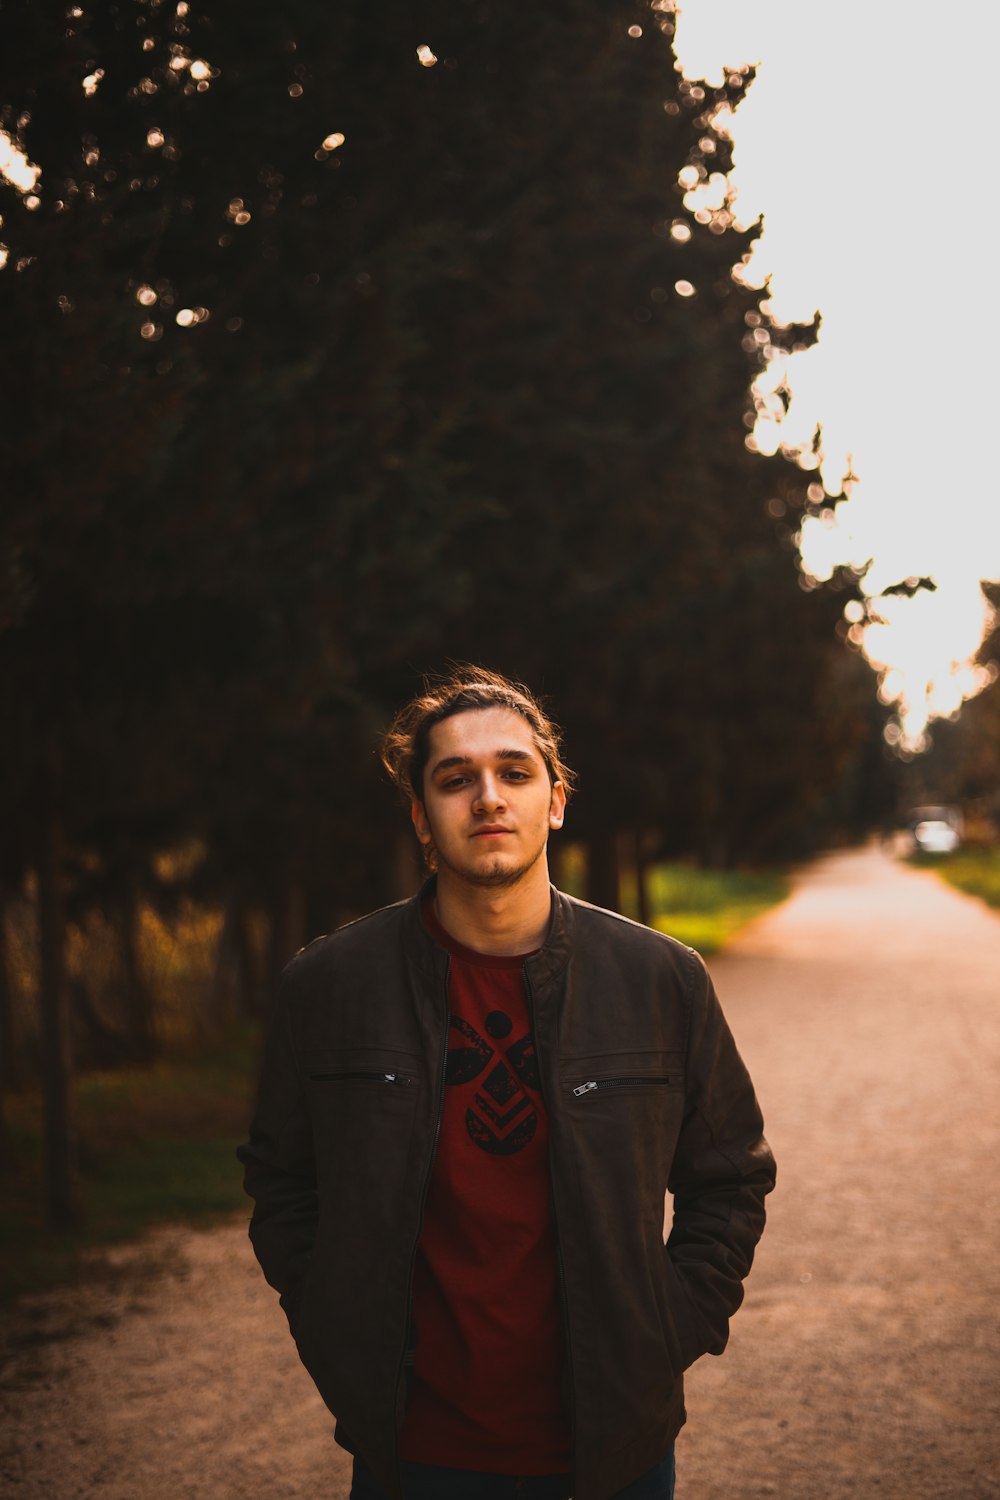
x,y
406,743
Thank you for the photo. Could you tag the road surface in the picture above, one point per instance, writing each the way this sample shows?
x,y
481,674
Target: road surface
x,y
865,1362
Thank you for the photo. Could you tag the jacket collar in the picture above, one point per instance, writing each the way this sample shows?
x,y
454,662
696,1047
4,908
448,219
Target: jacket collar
x,y
543,966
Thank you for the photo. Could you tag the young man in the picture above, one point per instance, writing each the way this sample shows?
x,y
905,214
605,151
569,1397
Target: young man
x,y
472,1106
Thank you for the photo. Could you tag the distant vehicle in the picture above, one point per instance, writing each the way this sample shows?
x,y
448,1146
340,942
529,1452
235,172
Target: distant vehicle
x,y
935,836
935,830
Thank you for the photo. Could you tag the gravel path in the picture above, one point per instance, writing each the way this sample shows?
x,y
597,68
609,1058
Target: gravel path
x,y
866,1360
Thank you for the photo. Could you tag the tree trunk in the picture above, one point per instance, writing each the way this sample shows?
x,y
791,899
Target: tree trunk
x,y
138,998
223,1003
61,1147
252,1003
603,884
288,921
643,913
6,1040
557,862
101,1045
405,868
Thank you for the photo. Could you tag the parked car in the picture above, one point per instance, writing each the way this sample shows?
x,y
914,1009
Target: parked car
x,y
935,836
935,830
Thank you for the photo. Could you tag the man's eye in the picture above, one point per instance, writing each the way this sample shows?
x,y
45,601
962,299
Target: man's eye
x,y
516,775
454,781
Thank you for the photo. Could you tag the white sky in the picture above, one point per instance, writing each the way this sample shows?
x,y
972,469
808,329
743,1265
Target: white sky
x,y
868,141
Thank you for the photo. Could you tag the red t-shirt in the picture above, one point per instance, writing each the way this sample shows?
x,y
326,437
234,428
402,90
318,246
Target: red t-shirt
x,y
487,1387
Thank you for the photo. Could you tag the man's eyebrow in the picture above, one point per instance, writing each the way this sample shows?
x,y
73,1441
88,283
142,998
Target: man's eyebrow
x,y
466,760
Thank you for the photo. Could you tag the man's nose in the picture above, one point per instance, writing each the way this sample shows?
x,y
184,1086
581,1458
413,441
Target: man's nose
x,y
489,793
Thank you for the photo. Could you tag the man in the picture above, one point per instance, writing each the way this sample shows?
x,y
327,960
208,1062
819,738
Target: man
x,y
472,1106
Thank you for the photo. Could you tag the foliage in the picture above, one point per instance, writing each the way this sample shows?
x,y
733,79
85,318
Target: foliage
x,y
962,765
347,340
975,870
482,422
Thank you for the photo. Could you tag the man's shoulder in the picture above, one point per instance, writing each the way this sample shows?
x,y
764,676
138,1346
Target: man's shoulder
x,y
599,925
363,936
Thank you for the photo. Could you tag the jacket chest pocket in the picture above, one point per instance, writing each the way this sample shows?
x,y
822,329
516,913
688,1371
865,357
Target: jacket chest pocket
x,y
622,1075
364,1075
375,1067
364,1104
362,1081
622,1114
591,1085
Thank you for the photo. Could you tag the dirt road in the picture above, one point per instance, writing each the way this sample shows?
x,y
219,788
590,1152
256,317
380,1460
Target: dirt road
x,y
866,1360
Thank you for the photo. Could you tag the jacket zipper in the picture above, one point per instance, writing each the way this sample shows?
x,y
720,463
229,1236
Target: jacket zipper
x,y
398,1078
616,1083
420,1218
560,1263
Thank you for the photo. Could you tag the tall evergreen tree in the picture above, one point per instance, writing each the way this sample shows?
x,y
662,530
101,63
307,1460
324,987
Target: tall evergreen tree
x,y
347,340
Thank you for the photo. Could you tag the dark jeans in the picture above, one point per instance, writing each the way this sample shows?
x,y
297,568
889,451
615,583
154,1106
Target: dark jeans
x,y
428,1482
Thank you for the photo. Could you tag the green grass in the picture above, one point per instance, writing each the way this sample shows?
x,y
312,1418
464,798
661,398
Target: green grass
x,y
975,870
706,908
703,908
156,1146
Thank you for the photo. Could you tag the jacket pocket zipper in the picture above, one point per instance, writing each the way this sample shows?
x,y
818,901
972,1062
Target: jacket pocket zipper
x,y
397,1078
616,1083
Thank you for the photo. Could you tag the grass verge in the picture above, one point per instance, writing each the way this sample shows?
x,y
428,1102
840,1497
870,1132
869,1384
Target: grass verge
x,y
156,1146
703,908
706,908
975,870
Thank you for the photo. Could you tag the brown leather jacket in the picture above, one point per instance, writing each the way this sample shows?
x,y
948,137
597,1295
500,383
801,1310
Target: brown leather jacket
x,y
645,1091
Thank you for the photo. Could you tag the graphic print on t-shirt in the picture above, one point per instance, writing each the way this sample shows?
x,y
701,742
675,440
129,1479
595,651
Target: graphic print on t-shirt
x,y
501,1118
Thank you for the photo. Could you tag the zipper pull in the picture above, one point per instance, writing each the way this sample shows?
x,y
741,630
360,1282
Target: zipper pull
x,y
583,1088
389,1077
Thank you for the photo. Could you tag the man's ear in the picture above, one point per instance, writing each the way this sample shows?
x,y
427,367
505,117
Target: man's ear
x,y
557,805
419,820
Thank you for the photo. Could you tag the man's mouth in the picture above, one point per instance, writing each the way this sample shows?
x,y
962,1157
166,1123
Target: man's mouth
x,y
487,833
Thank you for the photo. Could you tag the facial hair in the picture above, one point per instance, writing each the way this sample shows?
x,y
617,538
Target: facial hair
x,y
496,879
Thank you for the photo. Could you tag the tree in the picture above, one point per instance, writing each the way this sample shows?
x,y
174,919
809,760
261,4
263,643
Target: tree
x,y
350,340
962,765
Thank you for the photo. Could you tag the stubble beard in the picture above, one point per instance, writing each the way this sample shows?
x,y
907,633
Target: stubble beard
x,y
499,877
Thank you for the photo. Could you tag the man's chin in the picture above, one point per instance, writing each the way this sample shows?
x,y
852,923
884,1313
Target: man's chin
x,y
496,879
497,875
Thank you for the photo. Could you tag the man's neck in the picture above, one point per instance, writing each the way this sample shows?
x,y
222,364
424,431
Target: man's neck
x,y
499,920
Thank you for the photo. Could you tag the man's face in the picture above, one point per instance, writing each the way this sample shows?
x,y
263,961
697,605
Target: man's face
x,y
488,804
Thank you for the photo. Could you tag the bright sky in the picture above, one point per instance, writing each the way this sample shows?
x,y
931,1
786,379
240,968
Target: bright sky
x,y
868,142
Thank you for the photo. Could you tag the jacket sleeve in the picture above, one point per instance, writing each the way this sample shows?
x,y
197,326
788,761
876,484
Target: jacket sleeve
x,y
279,1163
722,1171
